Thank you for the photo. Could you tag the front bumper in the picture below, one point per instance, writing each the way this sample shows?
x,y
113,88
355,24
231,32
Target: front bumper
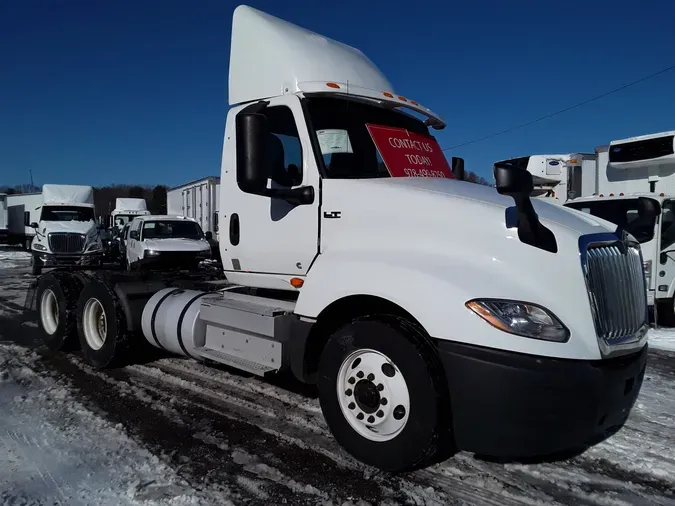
x,y
507,404
171,260
60,260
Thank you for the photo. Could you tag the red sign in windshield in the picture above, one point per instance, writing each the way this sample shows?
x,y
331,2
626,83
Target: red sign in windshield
x,y
407,154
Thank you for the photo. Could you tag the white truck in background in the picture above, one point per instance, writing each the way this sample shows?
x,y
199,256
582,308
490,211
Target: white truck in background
x,y
22,210
197,200
631,170
126,209
411,299
559,178
66,233
3,218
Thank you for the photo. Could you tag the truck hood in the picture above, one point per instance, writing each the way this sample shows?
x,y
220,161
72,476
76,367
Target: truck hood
x,y
176,245
77,227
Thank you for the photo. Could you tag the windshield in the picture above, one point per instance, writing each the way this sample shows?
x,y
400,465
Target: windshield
x,y
123,219
171,229
354,136
67,213
621,212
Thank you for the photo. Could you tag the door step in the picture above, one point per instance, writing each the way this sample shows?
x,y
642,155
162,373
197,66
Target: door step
x,y
234,361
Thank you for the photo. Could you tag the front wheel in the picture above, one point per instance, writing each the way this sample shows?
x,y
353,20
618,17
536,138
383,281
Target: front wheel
x,y
383,394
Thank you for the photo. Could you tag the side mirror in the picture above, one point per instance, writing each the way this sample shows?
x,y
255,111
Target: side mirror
x,y
649,208
517,183
34,225
458,168
251,131
513,181
208,235
134,234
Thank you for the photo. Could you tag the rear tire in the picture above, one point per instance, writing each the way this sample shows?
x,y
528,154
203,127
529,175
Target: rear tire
x,y
56,297
101,326
401,394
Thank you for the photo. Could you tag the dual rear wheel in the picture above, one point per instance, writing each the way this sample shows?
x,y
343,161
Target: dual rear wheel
x,y
82,312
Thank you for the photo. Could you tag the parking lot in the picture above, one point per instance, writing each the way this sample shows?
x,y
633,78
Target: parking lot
x,y
174,431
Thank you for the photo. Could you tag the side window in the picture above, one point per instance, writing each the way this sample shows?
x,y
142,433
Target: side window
x,y
667,224
284,151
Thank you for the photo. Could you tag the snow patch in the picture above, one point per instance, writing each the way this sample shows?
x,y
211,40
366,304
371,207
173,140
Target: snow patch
x,y
661,338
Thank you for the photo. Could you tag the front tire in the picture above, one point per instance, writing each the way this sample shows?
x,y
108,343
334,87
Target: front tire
x,y
56,302
383,394
101,325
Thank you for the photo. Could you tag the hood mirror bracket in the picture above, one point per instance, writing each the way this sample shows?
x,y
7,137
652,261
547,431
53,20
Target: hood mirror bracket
x,y
517,184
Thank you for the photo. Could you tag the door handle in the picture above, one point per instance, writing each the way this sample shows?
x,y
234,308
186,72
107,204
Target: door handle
x,y
234,229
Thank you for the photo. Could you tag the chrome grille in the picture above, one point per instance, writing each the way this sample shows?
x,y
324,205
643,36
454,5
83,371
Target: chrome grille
x,y
616,288
66,242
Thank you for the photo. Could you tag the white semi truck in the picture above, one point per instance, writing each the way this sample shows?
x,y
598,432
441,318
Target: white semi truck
x,y
630,171
413,300
126,209
67,233
3,217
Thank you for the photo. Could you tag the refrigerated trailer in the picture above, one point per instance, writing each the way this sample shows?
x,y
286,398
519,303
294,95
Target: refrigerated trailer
x,y
413,300
559,178
197,200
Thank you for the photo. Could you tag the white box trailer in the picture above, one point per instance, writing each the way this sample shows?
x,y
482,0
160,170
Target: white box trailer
x,y
197,200
22,210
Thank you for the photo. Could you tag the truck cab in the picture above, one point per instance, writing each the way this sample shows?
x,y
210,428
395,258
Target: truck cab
x,y
126,209
67,233
358,262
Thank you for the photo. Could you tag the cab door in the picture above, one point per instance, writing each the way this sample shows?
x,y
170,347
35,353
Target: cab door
x,y
262,236
663,267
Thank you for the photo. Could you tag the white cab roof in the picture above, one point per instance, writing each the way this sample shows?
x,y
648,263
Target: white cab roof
x,y
270,57
163,217
64,194
130,204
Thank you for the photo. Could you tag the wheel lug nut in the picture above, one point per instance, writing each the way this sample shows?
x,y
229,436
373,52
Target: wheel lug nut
x,y
348,393
360,374
351,381
383,401
380,387
359,416
371,419
371,377
351,405
380,414
399,412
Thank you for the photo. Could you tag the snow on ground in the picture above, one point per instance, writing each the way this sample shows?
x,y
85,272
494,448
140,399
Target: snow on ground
x,y
55,451
11,257
662,338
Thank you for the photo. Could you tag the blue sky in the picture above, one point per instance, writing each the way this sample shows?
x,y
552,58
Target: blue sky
x,y
135,91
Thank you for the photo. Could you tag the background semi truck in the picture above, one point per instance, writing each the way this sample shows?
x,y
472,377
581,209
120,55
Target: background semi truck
x,y
67,233
411,299
3,217
126,209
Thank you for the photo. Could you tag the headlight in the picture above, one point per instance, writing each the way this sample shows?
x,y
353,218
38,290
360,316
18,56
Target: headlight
x,y
94,246
39,246
151,253
520,318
